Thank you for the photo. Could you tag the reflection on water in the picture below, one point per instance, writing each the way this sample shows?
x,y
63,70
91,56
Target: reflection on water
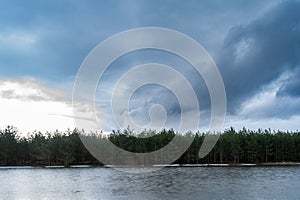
x,y
168,183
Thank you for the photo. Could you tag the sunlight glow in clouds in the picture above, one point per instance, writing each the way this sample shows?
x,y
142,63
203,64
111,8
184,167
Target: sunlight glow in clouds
x,y
29,106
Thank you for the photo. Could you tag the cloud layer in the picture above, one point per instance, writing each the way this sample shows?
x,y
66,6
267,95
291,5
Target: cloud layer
x,y
258,53
256,46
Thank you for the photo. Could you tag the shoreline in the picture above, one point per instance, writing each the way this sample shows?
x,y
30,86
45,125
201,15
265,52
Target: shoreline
x,y
271,164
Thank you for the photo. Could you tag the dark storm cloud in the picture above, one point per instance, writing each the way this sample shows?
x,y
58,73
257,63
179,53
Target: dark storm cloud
x,y
64,32
253,43
257,53
253,55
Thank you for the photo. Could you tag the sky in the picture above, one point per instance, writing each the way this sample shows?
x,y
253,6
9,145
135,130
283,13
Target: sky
x,y
255,45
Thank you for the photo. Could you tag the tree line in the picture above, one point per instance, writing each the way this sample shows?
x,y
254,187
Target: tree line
x,y
66,148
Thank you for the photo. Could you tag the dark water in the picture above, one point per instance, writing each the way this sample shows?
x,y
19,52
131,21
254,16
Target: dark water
x,y
169,183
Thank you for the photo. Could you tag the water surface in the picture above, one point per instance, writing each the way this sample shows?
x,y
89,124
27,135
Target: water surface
x,y
168,183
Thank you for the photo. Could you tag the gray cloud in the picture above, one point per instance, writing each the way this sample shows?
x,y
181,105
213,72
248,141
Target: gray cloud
x,y
253,56
257,53
292,85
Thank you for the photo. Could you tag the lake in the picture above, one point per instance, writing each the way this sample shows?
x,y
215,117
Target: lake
x,y
168,183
